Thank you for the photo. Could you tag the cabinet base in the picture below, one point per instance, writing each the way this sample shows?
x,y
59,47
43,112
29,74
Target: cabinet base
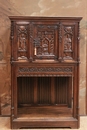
x,y
49,123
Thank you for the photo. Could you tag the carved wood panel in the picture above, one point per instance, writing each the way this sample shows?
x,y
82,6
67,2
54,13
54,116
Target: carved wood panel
x,y
22,31
68,42
45,41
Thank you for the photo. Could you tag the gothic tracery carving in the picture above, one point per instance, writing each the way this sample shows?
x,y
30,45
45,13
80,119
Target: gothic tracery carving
x,y
46,35
47,43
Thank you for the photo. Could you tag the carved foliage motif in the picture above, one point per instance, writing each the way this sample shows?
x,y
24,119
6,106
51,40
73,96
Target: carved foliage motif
x,y
68,42
22,41
45,69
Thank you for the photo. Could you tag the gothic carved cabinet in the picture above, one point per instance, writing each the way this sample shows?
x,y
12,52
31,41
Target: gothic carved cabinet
x,y
45,72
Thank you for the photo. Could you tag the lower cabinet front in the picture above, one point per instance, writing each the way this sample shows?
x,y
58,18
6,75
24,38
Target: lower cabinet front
x,y
44,102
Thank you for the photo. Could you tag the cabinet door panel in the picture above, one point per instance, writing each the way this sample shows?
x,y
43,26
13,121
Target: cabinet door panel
x,y
45,40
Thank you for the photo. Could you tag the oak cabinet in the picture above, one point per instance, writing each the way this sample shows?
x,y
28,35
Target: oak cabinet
x,y
45,72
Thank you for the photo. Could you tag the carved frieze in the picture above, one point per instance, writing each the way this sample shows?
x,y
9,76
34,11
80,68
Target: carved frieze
x,y
45,69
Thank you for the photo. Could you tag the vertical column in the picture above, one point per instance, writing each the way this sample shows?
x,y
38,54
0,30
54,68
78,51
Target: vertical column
x,y
70,92
75,93
60,42
14,92
31,50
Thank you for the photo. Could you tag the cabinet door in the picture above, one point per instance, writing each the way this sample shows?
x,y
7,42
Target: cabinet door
x,y
45,40
21,39
69,34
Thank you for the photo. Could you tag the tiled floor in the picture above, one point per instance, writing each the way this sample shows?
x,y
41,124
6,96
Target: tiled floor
x,y
5,124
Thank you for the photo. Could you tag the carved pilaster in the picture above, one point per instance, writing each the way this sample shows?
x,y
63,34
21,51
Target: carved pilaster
x,y
12,39
60,42
12,30
78,40
60,33
31,41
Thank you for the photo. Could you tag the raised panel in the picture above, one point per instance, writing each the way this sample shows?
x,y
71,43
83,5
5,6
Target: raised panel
x,y
44,90
25,89
68,41
22,40
45,41
61,90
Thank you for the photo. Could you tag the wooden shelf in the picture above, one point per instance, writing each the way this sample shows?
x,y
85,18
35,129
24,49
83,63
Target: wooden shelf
x,y
44,112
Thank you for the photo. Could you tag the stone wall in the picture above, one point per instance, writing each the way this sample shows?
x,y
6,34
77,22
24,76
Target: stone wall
x,y
57,8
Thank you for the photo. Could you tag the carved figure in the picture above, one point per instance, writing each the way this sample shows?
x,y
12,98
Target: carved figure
x,y
67,43
22,42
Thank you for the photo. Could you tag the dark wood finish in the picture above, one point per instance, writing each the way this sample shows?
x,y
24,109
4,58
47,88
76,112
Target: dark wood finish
x,y
45,72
